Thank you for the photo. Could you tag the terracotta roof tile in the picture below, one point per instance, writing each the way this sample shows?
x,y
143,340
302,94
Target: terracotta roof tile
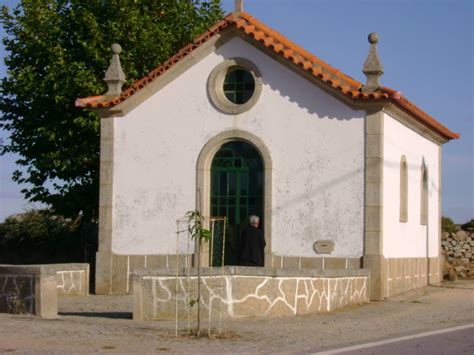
x,y
419,114
283,47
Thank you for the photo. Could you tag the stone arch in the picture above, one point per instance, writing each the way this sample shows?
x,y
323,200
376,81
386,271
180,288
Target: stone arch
x,y
203,177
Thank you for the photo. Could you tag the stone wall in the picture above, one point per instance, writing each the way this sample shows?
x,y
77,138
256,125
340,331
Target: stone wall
x,y
72,279
458,250
26,289
247,292
34,289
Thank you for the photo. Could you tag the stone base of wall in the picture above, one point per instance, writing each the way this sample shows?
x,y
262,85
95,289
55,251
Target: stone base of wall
x,y
319,263
404,274
236,292
114,272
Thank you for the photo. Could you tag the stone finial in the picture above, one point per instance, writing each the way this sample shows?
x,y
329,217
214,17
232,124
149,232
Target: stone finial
x,y
238,6
373,68
115,77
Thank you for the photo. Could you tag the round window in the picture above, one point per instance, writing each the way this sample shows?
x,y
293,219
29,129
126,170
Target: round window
x,y
235,85
239,86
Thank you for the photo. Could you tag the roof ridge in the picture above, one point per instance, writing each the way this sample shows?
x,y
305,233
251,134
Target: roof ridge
x,y
305,53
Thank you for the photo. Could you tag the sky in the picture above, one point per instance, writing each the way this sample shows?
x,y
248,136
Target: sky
x,y
426,47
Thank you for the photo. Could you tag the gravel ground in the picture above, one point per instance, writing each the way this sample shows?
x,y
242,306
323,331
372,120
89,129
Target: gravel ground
x,y
103,324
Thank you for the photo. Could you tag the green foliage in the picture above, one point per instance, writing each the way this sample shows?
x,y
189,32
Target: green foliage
x,y
193,302
37,236
469,226
447,225
58,50
195,226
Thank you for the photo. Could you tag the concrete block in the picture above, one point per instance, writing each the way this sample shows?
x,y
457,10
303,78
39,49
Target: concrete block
x,y
354,263
373,244
374,146
28,289
373,218
373,194
373,170
120,274
107,128
378,275
46,295
291,262
156,261
277,262
106,151
106,173
312,263
374,123
103,273
105,195
334,263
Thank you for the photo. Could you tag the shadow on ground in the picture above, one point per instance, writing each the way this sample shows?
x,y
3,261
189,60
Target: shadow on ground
x,y
111,315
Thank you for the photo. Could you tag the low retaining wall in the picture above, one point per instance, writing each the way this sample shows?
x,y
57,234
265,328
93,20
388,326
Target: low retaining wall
x,y
71,279
247,292
34,289
28,289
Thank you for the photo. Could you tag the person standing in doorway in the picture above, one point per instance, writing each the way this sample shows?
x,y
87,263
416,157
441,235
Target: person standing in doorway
x,y
252,244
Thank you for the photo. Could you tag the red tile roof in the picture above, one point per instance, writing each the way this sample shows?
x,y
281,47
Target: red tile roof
x,y
283,47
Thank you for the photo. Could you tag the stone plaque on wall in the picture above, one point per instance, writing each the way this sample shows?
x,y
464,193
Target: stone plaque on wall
x,y
323,246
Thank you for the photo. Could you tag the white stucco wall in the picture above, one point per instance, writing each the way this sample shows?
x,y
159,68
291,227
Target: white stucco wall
x,y
410,239
316,144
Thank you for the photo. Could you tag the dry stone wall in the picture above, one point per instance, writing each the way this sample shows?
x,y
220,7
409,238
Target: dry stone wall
x,y
458,250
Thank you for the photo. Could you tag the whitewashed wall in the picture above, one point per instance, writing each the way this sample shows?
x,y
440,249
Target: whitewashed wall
x,y
409,239
316,144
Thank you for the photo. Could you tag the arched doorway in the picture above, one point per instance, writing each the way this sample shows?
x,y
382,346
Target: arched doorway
x,y
237,191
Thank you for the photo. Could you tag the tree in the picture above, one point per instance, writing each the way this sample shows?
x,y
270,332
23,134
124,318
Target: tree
x,y
58,50
37,236
200,235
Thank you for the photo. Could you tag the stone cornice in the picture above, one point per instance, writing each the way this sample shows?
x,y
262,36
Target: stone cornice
x,y
410,122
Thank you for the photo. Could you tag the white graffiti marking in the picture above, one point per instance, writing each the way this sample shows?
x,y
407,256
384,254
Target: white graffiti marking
x,y
272,295
70,282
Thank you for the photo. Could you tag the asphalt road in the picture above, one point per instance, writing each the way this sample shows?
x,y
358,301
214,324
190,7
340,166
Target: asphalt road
x,y
451,341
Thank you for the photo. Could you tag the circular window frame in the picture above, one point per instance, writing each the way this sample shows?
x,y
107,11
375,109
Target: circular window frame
x,y
215,85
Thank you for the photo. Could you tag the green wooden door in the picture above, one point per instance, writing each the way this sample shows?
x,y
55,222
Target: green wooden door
x,y
236,193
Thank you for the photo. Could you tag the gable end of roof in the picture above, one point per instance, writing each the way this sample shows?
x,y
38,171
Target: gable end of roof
x,y
288,51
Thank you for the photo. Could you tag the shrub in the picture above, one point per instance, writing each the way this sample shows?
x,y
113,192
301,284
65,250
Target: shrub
x,y
447,225
469,226
37,236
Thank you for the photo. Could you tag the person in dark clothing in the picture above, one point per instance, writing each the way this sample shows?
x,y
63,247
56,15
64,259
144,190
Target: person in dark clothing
x,y
252,244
